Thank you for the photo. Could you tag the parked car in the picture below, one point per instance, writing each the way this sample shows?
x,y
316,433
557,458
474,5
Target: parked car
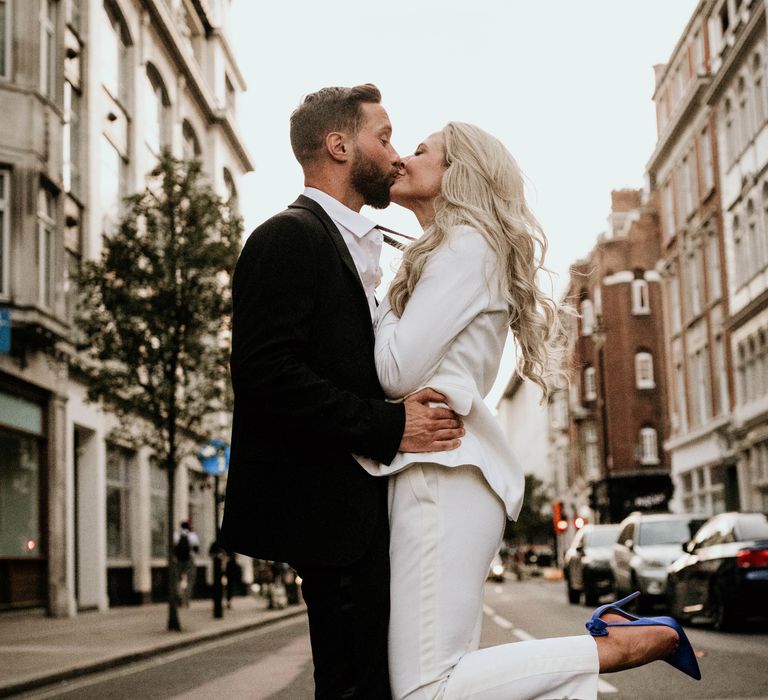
x,y
587,563
724,573
647,544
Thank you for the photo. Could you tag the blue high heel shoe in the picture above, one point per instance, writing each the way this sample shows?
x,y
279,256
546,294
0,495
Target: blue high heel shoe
x,y
683,659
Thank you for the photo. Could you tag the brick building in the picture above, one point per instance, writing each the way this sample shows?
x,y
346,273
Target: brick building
x,y
617,404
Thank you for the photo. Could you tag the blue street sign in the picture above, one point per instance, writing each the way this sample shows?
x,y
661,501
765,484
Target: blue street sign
x,y
214,457
5,330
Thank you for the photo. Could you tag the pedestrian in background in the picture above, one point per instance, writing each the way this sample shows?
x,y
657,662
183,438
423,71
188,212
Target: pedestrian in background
x,y
234,574
186,544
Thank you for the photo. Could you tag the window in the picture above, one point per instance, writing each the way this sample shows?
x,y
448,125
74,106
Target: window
x,y
721,372
731,146
20,476
5,232
158,509
641,302
111,183
707,168
71,137
674,303
698,53
745,117
591,454
46,247
156,112
48,63
644,370
587,317
119,462
74,14
682,408
692,280
739,262
701,401
649,451
669,210
713,266
5,38
113,60
758,83
191,145
752,248
590,389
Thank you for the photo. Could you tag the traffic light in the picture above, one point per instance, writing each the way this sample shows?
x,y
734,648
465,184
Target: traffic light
x,y
559,518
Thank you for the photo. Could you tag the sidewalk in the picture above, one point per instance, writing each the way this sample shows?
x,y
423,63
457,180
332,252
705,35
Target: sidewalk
x,y
36,650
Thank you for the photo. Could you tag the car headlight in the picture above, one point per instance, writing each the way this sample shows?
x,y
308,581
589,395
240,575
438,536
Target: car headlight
x,y
497,570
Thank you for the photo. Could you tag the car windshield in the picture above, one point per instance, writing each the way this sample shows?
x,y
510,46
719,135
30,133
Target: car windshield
x,y
752,526
665,532
602,537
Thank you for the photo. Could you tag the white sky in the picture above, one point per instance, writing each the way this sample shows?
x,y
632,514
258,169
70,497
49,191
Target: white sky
x,y
565,84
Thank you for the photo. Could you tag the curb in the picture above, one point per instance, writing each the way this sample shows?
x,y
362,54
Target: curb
x,y
131,657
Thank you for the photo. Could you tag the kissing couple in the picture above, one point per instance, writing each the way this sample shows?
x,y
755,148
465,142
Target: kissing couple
x,y
362,451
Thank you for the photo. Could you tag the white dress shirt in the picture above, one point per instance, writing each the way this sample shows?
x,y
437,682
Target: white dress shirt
x,y
362,237
451,337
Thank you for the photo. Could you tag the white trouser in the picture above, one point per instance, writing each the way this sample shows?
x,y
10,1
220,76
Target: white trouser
x,y
446,525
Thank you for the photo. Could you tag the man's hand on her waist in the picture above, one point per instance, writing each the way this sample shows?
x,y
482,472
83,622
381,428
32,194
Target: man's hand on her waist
x,y
429,428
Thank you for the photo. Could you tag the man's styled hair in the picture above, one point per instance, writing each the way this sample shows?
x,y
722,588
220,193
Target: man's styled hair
x,y
327,110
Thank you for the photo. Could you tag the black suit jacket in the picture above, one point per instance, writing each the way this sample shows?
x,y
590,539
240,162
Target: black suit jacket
x,y
306,397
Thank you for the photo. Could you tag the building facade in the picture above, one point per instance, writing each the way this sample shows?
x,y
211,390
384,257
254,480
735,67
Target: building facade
x,y
683,170
90,92
617,404
738,96
524,421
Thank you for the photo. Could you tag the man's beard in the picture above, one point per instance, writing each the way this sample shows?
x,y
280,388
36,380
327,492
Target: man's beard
x,y
371,182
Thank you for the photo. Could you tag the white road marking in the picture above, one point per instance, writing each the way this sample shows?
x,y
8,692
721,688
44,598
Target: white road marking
x,y
602,685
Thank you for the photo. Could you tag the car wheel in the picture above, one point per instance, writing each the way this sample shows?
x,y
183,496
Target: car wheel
x,y
673,604
573,595
723,618
591,596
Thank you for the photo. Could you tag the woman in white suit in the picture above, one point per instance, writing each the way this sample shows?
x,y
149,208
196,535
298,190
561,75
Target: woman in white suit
x,y
460,287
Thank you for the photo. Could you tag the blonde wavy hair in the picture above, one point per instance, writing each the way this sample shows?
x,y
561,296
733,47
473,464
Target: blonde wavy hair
x,y
483,187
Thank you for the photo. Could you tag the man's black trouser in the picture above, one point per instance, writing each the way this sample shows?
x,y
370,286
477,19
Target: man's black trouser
x,y
348,610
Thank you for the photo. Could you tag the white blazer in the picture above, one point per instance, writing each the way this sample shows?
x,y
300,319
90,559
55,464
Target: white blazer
x,y
451,337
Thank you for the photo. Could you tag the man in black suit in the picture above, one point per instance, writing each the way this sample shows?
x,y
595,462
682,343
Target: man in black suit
x,y
307,397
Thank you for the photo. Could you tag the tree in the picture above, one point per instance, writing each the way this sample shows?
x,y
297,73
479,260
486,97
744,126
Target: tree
x,y
154,319
534,525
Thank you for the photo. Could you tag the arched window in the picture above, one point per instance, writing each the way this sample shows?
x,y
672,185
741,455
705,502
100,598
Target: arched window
x,y
758,85
644,370
191,144
738,252
745,119
730,133
641,300
753,244
590,387
156,112
649,446
587,317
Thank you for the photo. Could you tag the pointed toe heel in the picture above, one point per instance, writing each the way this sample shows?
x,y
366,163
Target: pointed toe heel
x,y
684,658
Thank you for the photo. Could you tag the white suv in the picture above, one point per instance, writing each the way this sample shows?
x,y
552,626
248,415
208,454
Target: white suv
x,y
646,545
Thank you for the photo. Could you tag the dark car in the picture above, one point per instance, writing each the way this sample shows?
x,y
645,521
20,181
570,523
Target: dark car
x,y
647,544
724,573
587,566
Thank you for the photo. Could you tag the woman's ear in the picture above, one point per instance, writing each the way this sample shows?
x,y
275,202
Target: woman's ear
x,y
338,146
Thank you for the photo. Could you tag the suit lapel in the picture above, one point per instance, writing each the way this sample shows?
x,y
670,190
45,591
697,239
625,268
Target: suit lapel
x,y
341,247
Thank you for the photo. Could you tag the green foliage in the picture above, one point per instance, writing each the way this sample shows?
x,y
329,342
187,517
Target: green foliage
x,y
534,525
154,311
